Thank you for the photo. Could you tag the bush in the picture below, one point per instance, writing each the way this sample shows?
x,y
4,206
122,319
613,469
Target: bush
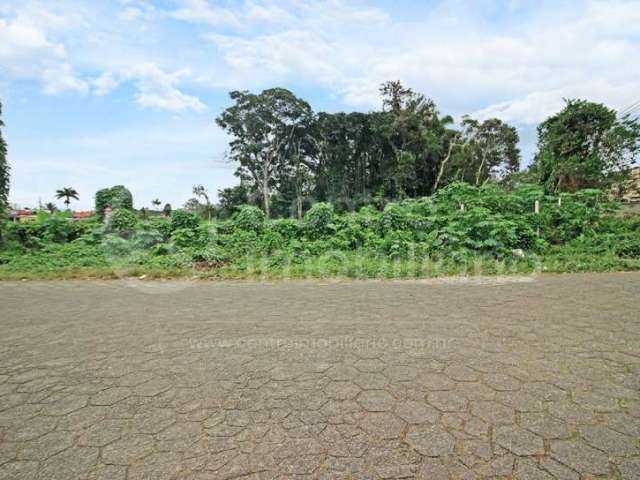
x,y
181,219
187,237
249,218
122,222
115,197
319,220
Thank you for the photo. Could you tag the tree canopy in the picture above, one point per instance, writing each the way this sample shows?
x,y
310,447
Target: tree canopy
x,y
115,197
291,156
4,172
586,145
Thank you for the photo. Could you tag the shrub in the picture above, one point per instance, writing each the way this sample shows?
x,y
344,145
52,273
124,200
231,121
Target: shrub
x,y
188,237
249,218
319,220
115,197
146,238
181,219
115,246
122,222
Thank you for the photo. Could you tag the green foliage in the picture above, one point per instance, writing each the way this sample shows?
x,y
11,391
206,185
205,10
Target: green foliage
x,y
5,171
319,220
189,237
249,218
116,197
181,219
123,222
585,145
460,229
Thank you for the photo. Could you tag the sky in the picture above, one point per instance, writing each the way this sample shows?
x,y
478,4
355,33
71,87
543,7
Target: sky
x,y
111,92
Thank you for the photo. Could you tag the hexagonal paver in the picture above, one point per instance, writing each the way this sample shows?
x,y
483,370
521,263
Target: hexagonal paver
x,y
382,424
152,387
102,433
401,373
128,450
447,401
545,425
430,440
538,379
502,382
46,446
609,441
580,456
110,396
376,400
518,441
417,412
493,412
342,390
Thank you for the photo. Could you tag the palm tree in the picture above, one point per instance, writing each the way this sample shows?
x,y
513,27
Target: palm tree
x,y
156,202
67,193
50,207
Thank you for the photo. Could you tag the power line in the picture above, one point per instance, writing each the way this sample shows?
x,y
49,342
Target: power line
x,y
631,108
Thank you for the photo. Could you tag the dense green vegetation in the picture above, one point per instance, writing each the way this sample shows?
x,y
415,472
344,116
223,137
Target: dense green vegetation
x,y
289,157
4,172
400,192
460,229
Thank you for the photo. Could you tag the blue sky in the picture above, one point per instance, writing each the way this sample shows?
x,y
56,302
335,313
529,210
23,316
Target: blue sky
x,y
125,91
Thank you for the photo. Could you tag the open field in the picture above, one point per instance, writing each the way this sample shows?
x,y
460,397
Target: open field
x,y
527,377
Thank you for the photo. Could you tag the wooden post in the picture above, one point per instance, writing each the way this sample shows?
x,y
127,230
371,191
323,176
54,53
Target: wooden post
x,y
462,207
559,200
536,209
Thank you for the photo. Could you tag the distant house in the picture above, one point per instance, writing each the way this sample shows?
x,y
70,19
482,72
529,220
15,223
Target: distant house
x,y
25,215
82,215
632,192
629,190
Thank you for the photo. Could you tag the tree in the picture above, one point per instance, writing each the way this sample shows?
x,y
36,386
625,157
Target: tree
x,y
263,127
201,192
4,172
51,207
156,203
585,145
487,149
231,199
67,193
167,209
115,197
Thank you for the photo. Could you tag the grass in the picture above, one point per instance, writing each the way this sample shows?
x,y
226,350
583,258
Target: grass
x,y
337,265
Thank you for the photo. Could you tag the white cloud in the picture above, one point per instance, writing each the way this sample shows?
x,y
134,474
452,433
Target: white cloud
x,y
61,78
20,38
517,59
201,11
105,83
158,89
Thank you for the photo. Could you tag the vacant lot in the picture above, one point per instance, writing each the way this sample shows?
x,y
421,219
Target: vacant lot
x,y
532,378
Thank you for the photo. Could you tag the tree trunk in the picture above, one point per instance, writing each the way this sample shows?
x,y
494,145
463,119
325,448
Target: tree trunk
x,y
265,194
479,172
442,165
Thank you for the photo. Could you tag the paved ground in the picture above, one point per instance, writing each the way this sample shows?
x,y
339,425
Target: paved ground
x,y
531,379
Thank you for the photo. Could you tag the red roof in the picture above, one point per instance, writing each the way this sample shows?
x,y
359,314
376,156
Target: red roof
x,y
82,214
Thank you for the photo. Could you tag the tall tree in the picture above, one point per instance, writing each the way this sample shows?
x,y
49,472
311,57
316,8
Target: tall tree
x,y
263,127
4,172
67,193
486,150
201,192
585,145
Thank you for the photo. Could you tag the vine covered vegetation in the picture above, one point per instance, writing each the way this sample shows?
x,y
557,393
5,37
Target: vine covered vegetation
x,y
461,229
